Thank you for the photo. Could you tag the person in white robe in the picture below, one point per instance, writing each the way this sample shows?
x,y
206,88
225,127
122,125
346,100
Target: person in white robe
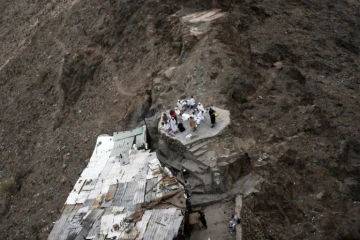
x,y
192,103
185,116
177,111
173,125
166,126
200,117
179,104
200,107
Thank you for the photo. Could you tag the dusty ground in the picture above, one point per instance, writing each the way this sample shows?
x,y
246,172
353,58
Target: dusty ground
x,y
287,71
217,219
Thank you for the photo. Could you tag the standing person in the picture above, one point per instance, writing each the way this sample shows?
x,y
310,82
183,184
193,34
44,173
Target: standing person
x,y
195,117
202,219
173,115
179,104
192,103
192,123
188,204
233,222
212,117
200,116
188,188
185,173
177,111
173,125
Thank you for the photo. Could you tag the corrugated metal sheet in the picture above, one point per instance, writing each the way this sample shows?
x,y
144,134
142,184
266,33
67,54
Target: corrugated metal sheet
x,y
95,230
119,194
61,222
110,194
99,237
141,139
116,184
127,134
88,222
127,199
121,148
139,192
107,222
142,225
162,223
68,226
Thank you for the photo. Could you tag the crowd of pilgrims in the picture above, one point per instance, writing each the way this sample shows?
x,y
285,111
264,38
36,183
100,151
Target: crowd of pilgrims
x,y
172,121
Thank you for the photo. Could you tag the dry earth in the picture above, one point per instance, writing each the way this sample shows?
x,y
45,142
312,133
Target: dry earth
x,y
287,70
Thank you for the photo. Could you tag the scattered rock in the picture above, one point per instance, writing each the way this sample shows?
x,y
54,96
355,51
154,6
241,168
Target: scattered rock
x,y
213,74
320,195
157,80
66,157
169,72
63,179
278,65
297,75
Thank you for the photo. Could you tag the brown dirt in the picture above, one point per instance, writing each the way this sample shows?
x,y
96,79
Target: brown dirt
x,y
71,70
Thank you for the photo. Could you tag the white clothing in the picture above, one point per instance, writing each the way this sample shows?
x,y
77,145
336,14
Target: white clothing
x,y
233,222
185,116
200,107
197,120
173,125
180,104
177,111
192,101
200,116
184,105
166,126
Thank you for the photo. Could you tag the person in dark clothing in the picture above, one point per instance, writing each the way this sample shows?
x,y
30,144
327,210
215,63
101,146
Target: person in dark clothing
x,y
212,117
188,204
202,219
188,188
181,127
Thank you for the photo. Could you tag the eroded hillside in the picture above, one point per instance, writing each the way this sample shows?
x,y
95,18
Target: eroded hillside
x,y
287,71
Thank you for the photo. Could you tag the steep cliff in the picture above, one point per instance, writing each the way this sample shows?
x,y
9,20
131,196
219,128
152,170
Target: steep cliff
x,y
287,70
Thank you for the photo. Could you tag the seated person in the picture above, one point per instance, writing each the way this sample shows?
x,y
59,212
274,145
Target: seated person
x,y
165,126
185,116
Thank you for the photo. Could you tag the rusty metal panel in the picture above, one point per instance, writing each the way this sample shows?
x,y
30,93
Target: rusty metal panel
x,y
110,194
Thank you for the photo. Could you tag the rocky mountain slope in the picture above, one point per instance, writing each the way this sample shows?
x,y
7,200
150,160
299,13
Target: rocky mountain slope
x,y
287,70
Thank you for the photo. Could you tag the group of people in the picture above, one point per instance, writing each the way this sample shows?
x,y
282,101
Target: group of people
x,y
186,110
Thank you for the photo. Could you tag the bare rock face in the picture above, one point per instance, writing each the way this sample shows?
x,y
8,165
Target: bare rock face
x,y
71,70
232,169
